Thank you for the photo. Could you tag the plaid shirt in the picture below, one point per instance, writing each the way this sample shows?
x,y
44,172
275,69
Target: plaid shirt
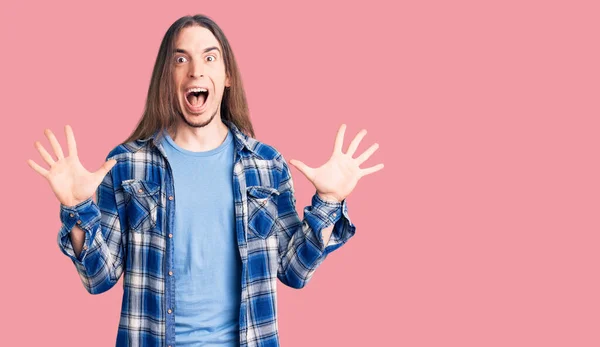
x,y
130,228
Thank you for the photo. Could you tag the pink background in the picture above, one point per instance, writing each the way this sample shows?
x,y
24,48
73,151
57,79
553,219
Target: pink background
x,y
481,230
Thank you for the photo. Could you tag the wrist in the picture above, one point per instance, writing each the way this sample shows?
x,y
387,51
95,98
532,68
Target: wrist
x,y
329,198
74,203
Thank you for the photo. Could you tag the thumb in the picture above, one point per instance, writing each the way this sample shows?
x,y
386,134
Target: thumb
x,y
306,170
105,168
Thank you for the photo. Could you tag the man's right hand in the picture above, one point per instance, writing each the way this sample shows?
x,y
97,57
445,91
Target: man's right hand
x,y
69,180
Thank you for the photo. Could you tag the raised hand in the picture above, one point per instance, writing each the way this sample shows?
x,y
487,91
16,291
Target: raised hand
x,y
69,180
335,179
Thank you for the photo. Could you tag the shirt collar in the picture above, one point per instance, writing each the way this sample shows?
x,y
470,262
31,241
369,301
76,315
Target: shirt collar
x,y
241,140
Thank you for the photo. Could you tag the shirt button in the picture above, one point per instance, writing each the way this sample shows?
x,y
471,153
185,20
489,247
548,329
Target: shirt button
x,y
71,215
79,222
140,190
170,235
334,214
170,273
169,310
171,197
84,247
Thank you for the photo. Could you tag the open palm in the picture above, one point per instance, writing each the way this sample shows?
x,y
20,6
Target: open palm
x,y
336,179
69,180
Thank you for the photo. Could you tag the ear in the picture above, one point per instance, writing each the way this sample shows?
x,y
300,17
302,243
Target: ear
x,y
227,82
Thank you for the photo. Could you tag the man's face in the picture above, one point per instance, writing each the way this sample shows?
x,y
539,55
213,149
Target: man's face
x,y
198,62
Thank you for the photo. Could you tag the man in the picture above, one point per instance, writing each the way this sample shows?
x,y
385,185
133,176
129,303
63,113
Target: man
x,y
198,215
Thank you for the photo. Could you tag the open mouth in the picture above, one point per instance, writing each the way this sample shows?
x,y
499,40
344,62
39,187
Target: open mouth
x,y
196,98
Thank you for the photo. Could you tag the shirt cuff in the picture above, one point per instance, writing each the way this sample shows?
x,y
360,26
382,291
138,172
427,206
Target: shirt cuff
x,y
322,214
84,215
326,212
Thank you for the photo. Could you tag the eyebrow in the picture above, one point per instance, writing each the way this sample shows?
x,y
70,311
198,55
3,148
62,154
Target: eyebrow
x,y
213,48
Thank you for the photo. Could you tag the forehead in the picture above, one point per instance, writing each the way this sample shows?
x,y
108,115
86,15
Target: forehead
x,y
196,38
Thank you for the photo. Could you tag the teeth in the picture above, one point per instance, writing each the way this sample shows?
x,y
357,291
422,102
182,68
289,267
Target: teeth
x,y
196,90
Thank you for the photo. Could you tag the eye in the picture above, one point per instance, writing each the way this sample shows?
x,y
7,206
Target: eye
x,y
211,57
178,59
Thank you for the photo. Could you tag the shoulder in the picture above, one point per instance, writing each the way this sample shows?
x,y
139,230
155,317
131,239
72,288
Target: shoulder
x,y
126,150
266,157
267,152
135,160
262,150
265,166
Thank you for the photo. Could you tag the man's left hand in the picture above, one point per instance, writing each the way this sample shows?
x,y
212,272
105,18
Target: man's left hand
x,y
335,179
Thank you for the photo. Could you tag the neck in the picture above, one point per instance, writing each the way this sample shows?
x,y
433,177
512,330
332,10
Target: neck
x,y
201,139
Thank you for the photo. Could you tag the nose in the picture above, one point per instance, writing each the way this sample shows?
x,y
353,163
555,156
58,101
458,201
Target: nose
x,y
196,70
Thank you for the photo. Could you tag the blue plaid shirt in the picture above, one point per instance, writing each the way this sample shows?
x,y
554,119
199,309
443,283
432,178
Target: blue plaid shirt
x,y
130,229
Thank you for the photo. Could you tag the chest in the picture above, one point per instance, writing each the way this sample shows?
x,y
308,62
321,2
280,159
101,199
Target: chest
x,y
152,199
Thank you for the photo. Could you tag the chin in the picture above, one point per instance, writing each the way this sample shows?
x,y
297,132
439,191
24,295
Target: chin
x,y
198,120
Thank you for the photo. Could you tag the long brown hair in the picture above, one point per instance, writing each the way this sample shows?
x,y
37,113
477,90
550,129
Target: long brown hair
x,y
162,108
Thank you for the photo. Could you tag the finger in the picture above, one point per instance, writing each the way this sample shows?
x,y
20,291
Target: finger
x,y
47,157
339,139
306,170
37,168
371,170
105,168
366,154
355,142
55,145
71,145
